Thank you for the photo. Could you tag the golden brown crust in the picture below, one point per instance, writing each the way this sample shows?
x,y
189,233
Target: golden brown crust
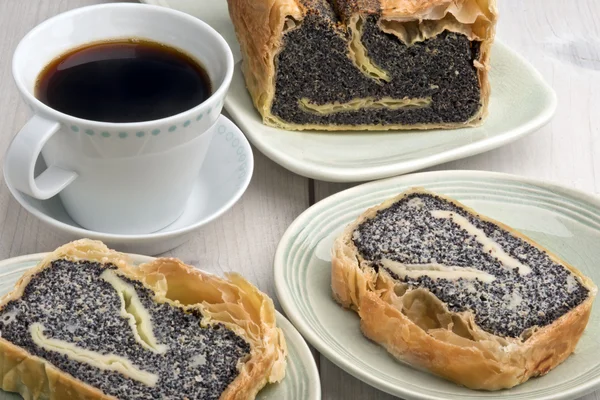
x,y
416,327
260,25
279,123
233,302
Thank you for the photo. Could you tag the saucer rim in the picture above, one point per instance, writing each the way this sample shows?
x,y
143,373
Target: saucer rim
x,y
131,238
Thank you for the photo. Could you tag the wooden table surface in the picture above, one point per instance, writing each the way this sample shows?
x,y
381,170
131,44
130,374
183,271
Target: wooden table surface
x,y
560,38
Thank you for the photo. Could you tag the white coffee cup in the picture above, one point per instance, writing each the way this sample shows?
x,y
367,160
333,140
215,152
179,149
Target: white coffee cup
x,y
125,178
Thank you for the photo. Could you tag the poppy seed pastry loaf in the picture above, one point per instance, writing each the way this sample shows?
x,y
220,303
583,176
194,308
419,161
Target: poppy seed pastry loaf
x,y
446,289
86,323
366,64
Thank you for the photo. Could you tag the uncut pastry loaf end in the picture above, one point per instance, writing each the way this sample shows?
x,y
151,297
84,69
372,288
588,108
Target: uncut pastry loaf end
x,y
459,294
86,323
366,64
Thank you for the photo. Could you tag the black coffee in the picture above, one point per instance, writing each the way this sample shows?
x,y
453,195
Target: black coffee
x,y
127,80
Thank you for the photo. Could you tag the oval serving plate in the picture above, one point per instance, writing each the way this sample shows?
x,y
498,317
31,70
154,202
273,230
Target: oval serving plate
x,y
302,377
564,220
518,90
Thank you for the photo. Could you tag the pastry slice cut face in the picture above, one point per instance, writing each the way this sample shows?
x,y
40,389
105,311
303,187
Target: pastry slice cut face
x,y
366,64
87,324
434,281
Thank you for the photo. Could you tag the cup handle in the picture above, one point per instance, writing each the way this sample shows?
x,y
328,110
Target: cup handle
x,y
22,155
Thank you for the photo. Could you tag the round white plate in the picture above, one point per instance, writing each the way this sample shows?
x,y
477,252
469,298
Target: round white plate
x,y
302,377
564,220
224,177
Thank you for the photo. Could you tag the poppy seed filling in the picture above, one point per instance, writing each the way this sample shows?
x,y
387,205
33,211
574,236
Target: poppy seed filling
x,y
314,64
507,283
75,304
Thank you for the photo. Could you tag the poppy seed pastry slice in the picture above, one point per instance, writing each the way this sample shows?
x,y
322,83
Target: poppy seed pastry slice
x,y
366,64
88,324
434,282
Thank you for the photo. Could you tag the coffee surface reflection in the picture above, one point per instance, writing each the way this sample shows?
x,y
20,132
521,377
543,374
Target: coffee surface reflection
x,y
128,80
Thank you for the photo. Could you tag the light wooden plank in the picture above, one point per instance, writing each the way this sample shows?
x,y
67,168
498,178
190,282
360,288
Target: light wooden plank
x,y
563,43
336,384
243,240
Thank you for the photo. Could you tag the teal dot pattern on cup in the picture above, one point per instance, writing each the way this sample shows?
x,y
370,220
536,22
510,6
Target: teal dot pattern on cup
x,y
141,134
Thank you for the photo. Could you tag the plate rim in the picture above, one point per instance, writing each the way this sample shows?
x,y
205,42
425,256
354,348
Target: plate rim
x,y
289,330
289,306
130,239
340,174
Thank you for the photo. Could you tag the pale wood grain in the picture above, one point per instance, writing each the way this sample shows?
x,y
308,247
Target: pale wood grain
x,y
243,240
338,385
562,40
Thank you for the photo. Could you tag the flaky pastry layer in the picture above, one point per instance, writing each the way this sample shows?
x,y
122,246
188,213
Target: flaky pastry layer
x,y
233,302
261,24
458,349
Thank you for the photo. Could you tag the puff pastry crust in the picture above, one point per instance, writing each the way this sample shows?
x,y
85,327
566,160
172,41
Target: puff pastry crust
x,y
233,302
479,360
262,25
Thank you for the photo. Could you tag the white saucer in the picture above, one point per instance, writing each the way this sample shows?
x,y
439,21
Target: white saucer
x,y
564,220
224,178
